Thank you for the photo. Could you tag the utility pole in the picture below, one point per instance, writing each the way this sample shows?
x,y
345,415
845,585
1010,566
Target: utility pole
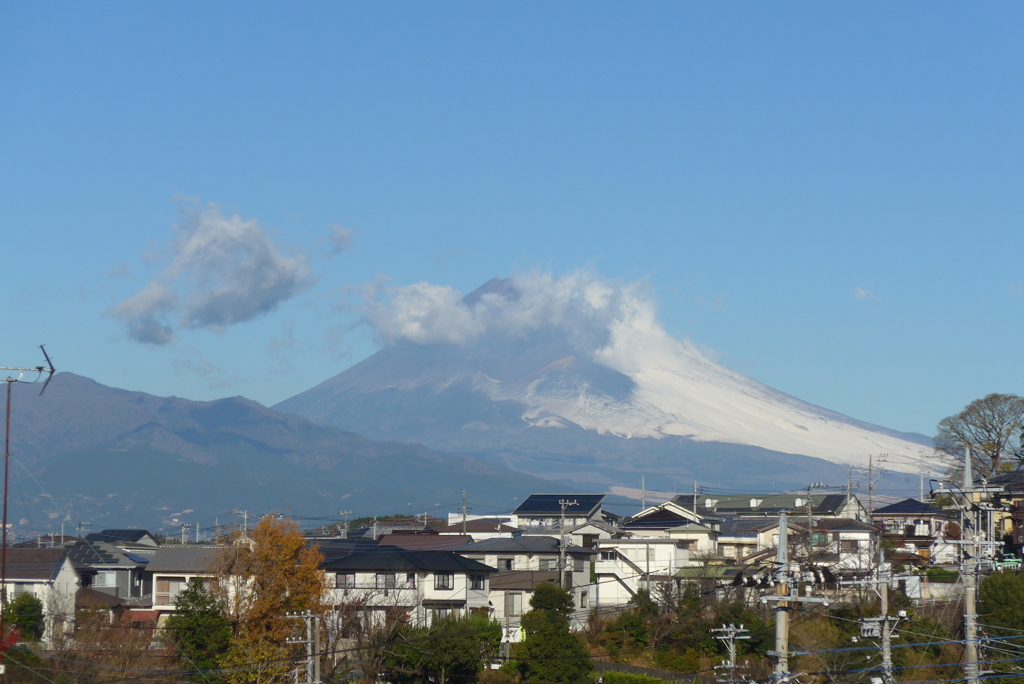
x,y
245,520
463,512
311,642
197,532
344,528
782,599
17,374
643,494
185,527
563,504
730,634
81,527
971,665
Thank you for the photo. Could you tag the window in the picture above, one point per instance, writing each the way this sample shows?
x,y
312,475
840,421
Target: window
x,y
344,580
849,546
385,580
819,539
513,604
445,581
577,565
410,580
548,564
478,582
506,563
584,600
167,589
105,578
608,555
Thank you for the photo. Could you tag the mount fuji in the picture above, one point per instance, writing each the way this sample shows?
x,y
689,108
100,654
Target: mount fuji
x,y
574,379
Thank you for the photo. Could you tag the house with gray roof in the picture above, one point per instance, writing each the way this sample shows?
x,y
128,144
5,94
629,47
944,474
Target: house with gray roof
x,y
172,567
108,569
420,585
50,576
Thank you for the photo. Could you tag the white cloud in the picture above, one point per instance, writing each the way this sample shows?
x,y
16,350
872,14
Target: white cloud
x,y
586,308
862,294
341,238
223,270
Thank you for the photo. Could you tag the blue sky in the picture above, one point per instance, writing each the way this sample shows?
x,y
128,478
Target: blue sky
x,y
828,196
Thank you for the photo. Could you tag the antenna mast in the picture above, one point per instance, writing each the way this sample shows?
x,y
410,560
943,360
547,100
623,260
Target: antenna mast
x,y
16,374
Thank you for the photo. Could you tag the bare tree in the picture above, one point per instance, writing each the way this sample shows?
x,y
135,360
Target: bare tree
x,y
990,427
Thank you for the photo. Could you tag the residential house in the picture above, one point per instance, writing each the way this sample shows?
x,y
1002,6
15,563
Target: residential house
x,y
820,505
172,567
544,513
128,538
107,569
424,541
48,575
422,585
524,562
917,528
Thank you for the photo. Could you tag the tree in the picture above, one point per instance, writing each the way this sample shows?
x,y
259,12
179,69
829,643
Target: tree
x,y
990,427
1001,600
260,579
550,653
200,631
451,649
26,612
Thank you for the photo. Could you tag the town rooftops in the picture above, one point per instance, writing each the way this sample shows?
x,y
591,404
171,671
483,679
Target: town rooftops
x,y
425,542
185,559
760,504
910,507
389,558
87,553
122,537
525,544
33,564
479,525
547,506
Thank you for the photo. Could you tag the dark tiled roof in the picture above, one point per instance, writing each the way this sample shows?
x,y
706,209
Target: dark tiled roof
x,y
661,518
33,564
547,505
116,536
910,507
425,542
823,504
524,544
190,559
391,559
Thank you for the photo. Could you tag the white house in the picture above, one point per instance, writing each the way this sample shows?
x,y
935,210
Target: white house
x,y
51,577
424,585
173,566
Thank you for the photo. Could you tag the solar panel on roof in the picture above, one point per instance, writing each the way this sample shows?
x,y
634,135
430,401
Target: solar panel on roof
x,y
549,503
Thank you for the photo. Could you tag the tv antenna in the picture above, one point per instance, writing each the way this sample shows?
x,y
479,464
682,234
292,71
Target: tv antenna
x,y
22,375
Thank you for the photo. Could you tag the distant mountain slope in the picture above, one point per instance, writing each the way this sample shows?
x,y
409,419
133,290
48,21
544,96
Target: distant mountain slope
x,y
120,458
603,403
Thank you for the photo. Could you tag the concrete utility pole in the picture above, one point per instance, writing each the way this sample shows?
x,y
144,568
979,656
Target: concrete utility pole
x,y
783,600
344,528
971,665
730,634
185,527
563,504
463,512
245,520
312,643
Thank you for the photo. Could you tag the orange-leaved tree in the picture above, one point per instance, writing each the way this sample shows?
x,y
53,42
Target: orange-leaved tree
x,y
262,577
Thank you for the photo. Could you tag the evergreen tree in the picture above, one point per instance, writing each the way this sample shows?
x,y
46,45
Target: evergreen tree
x,y
550,653
26,612
199,629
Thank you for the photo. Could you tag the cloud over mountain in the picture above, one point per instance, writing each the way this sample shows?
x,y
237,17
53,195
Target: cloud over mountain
x,y
223,270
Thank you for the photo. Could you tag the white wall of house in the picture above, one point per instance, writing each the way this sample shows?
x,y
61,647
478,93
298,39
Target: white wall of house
x,y
57,596
426,595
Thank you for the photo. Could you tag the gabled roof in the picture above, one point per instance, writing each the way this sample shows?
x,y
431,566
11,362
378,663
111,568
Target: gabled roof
x,y
546,505
910,507
658,518
33,564
186,559
524,544
122,536
760,504
426,542
391,559
84,553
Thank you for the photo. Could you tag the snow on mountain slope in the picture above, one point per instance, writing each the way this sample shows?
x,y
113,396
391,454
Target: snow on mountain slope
x,y
580,350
